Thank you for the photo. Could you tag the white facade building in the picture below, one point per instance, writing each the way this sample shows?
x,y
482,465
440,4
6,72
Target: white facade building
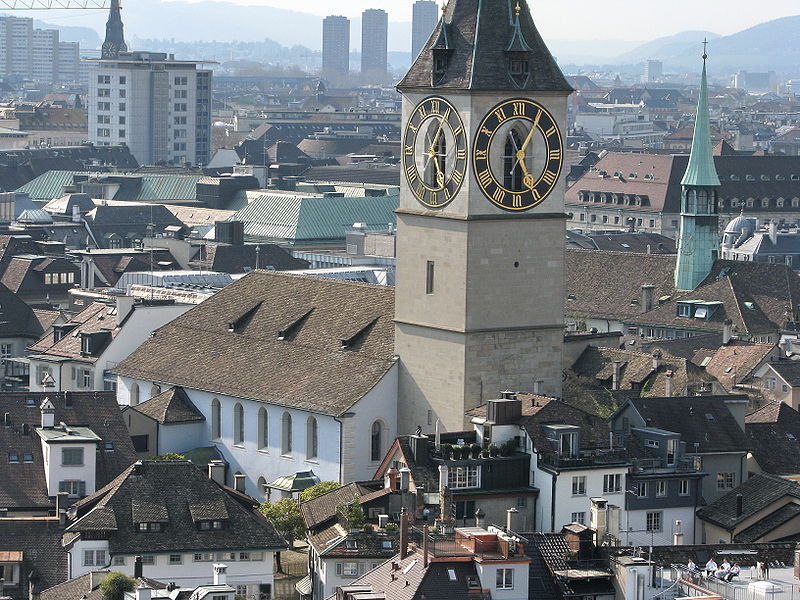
x,y
159,107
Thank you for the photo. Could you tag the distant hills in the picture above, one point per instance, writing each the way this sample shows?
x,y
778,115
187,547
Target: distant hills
x,y
773,45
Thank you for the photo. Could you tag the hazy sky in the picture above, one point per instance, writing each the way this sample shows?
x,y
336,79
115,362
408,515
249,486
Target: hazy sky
x,y
582,19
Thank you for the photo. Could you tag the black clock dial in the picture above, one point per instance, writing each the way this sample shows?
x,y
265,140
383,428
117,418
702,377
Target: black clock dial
x,y
518,154
435,152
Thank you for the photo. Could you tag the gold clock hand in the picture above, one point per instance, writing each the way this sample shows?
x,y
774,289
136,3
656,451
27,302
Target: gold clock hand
x,y
439,173
439,131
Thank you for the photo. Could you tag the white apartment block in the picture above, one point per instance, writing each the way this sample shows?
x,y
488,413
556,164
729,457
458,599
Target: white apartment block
x,y
159,107
36,54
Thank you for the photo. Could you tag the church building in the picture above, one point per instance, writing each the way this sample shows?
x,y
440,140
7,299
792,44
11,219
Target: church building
x,y
284,374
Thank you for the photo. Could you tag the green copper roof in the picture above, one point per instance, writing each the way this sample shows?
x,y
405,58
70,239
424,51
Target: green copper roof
x,y
701,171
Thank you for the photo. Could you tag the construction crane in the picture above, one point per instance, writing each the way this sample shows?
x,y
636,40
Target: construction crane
x,y
54,4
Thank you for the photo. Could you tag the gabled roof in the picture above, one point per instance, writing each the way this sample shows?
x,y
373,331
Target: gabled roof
x,y
171,406
478,35
734,363
308,369
774,434
637,371
758,492
16,318
538,411
95,318
702,420
789,370
24,482
323,508
166,492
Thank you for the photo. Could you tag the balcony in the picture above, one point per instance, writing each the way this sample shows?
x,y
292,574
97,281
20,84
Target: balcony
x,y
647,466
590,458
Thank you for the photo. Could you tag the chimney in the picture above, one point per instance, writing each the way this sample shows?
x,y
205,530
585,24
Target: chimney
x,y
727,331
442,478
616,376
390,479
216,471
479,517
137,567
677,538
657,359
220,574
48,414
61,507
510,518
143,592
773,232
669,375
405,479
124,308
7,419
239,480
648,297
537,387
738,407
76,214
425,546
438,436
739,505
403,533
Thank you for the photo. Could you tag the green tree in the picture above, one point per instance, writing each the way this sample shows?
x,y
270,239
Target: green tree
x,y
115,584
317,490
351,515
169,456
285,517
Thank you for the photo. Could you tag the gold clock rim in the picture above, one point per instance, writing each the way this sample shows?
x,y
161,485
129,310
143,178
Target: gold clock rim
x,y
465,160
489,144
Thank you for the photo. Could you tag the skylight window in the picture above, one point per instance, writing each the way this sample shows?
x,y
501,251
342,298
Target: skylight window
x,y
451,574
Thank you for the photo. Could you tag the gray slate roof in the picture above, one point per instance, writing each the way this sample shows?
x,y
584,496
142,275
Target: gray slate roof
x,y
704,420
478,34
789,370
774,434
177,494
170,406
758,492
307,368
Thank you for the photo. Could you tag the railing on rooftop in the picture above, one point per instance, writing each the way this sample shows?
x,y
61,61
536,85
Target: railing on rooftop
x,y
697,583
585,459
495,543
646,465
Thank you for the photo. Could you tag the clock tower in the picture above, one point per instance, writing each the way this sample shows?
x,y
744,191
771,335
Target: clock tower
x,y
481,223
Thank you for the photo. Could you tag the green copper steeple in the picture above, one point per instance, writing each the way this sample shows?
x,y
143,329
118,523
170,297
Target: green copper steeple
x,y
698,240
701,170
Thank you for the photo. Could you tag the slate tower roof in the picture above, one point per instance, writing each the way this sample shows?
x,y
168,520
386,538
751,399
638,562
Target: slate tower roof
x,y
474,44
115,36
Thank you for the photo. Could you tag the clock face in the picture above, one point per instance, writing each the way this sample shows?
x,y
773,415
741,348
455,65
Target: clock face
x,y
687,245
435,152
518,154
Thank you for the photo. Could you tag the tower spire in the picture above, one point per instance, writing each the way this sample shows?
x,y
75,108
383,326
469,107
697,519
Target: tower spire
x,y
701,170
115,35
698,242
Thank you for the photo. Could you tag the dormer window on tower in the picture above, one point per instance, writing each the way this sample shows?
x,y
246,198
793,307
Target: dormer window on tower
x,y
441,58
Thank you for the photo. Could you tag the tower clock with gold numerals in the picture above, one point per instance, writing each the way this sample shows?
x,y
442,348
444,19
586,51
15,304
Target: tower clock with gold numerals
x,y
518,154
435,152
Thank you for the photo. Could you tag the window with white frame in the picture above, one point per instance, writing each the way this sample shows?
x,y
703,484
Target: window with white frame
x,y
347,569
578,485
578,517
176,559
505,579
148,560
72,487
640,489
94,558
119,561
683,487
462,477
6,350
661,489
654,520
612,483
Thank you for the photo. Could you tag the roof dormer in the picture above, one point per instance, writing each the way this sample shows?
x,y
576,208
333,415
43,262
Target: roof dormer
x,y
48,411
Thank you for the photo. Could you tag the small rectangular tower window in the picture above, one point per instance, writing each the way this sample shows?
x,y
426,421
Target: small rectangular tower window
x,y
429,277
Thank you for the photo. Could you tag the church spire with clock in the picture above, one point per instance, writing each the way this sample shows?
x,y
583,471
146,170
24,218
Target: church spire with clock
x,y
698,244
481,223
115,35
